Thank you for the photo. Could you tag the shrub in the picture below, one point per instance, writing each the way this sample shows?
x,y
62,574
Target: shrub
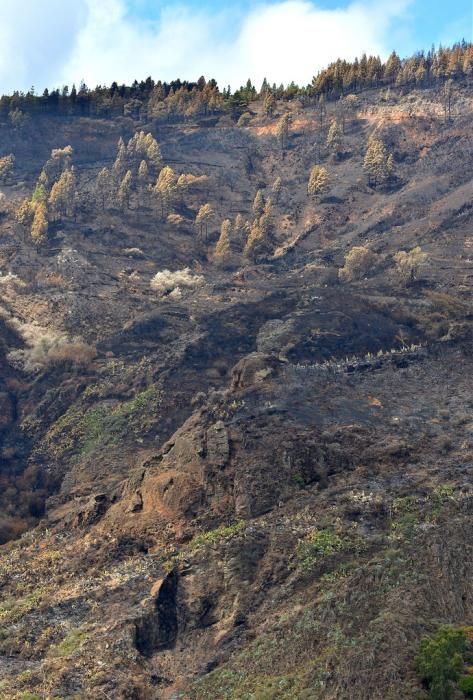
x,y
358,263
408,263
245,119
466,685
79,354
221,534
317,546
175,219
11,280
166,281
440,661
46,346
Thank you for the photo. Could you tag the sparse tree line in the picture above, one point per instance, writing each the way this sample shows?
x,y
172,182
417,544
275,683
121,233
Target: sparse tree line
x,y
422,69
148,99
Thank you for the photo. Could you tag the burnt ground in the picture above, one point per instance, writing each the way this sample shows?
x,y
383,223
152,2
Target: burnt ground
x,y
169,493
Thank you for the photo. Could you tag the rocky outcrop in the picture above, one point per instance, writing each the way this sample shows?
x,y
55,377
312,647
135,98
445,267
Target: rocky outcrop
x,y
157,627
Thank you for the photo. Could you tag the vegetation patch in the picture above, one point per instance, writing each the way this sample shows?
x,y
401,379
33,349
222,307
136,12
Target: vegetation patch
x,y
321,545
12,610
221,534
408,512
72,643
444,662
81,431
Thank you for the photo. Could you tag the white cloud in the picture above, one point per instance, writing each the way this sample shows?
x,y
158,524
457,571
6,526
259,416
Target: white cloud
x,y
36,39
98,42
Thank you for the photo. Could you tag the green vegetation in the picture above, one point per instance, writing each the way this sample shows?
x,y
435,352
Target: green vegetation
x,y
466,685
12,610
81,431
404,518
408,512
441,662
70,644
221,534
323,544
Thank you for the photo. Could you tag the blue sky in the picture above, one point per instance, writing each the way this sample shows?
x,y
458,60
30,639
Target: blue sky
x,y
434,21
49,43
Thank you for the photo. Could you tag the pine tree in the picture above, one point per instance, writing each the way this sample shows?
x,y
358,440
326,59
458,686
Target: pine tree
x,y
318,181
378,164
447,95
335,138
223,250
276,189
392,67
239,232
322,109
132,148
153,153
40,193
103,187
143,175
62,196
39,228
266,217
43,179
165,189
282,130
351,103
124,191
269,103
25,213
119,165
258,203
256,241
204,216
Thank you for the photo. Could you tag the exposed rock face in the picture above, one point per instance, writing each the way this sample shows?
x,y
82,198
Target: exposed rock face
x,y
218,447
253,369
157,629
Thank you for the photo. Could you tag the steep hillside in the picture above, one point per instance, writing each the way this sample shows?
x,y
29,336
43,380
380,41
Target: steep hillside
x,y
250,479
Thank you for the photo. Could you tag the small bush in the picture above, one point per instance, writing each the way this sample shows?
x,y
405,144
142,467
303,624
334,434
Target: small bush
x,y
11,280
245,119
221,534
78,354
359,262
317,546
45,347
166,281
175,219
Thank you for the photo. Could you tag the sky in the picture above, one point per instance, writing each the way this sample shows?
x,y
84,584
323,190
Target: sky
x,y
51,43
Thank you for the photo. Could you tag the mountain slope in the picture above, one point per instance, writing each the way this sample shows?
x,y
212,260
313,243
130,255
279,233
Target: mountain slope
x,y
258,486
